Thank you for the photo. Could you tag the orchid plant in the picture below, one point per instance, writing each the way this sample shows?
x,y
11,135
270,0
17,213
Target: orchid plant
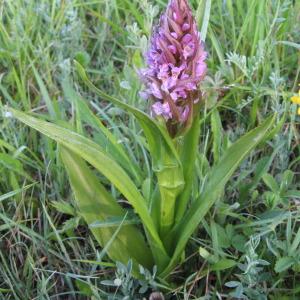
x,y
156,230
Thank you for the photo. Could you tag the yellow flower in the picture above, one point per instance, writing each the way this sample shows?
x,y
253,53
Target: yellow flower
x,y
296,99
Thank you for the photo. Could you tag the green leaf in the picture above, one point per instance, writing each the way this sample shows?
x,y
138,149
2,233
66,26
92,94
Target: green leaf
x,y
296,242
84,287
239,242
217,179
95,204
261,168
188,154
64,207
283,263
83,57
270,182
115,222
286,180
222,236
223,264
211,258
98,158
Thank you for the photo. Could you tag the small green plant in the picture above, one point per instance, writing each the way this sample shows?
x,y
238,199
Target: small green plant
x,y
163,212
250,284
127,286
286,249
280,193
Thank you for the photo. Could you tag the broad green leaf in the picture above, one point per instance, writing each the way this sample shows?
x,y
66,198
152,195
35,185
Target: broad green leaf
x,y
188,154
95,204
296,242
283,263
270,182
94,154
84,287
217,179
286,180
261,168
210,258
218,237
64,207
223,264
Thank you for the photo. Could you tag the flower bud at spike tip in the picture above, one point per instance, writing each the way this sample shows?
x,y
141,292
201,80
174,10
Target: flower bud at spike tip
x,y
175,65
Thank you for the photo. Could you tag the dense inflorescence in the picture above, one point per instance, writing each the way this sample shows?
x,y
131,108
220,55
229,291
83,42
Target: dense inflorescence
x,y
175,64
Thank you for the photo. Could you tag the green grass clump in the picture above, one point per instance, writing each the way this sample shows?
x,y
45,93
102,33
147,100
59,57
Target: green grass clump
x,y
249,243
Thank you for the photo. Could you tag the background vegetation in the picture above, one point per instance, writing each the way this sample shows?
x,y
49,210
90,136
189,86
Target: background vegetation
x,y
46,251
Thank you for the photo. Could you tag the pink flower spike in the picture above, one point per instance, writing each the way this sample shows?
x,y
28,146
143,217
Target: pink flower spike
x,y
175,64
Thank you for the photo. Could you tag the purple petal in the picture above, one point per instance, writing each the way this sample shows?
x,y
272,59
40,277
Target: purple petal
x,y
186,39
186,26
189,50
174,35
162,109
144,95
185,114
156,91
173,49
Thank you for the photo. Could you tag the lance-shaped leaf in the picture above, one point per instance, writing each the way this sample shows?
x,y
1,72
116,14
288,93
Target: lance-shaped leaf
x,y
97,157
95,204
218,177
